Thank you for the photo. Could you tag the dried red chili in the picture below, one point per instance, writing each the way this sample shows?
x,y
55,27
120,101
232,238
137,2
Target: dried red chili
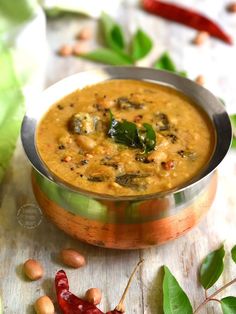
x,y
68,302
187,17
71,304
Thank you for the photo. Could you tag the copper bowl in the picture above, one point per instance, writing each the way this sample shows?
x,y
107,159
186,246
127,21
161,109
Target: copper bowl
x,y
130,222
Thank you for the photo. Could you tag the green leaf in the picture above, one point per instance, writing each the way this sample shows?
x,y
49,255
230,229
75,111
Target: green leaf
x,y
13,13
212,267
175,300
165,62
114,36
107,56
141,45
228,305
147,137
11,109
124,132
128,134
233,124
233,253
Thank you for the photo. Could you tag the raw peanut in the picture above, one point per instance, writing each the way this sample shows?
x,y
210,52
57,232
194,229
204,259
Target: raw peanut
x,y
200,80
65,51
79,49
72,258
200,38
44,305
93,295
33,269
231,7
85,33
85,142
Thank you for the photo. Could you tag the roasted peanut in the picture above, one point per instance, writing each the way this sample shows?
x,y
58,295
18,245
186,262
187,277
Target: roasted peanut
x,y
200,38
200,80
85,33
93,295
85,142
72,258
65,51
33,269
169,165
44,305
67,158
231,7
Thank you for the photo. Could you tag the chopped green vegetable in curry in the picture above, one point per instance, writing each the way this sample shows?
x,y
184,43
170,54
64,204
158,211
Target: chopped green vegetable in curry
x,y
125,137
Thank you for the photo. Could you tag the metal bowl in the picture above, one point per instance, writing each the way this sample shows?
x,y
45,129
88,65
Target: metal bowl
x,y
125,222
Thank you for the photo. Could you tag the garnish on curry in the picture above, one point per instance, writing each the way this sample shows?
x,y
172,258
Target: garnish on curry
x,y
125,137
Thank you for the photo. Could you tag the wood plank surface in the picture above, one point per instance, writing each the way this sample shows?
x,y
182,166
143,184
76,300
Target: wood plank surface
x,y
110,269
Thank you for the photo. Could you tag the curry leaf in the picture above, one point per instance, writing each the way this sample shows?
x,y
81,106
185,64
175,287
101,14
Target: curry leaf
x,y
127,133
113,33
233,253
165,62
175,300
228,305
233,123
11,109
107,56
16,13
212,267
141,45
147,137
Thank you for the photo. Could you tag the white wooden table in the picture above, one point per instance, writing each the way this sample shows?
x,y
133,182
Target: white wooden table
x,y
110,269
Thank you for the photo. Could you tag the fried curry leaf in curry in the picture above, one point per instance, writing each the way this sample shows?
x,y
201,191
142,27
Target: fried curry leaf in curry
x,y
127,133
147,137
132,180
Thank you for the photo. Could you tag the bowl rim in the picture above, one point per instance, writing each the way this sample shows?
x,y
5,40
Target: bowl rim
x,y
200,95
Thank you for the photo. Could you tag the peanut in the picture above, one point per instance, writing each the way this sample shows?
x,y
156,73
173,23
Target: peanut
x,y
79,49
72,258
93,295
200,80
200,38
33,269
169,165
85,142
44,305
67,158
65,51
84,34
231,7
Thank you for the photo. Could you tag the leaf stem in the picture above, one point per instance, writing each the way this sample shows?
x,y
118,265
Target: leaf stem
x,y
212,296
216,300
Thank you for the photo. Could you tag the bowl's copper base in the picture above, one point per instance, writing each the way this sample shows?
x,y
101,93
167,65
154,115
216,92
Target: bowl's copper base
x,y
127,236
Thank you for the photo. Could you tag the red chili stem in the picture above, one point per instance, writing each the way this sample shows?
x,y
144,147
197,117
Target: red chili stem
x,y
186,16
71,304
120,307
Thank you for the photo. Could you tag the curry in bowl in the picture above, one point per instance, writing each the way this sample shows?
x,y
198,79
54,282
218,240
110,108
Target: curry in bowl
x,y
125,137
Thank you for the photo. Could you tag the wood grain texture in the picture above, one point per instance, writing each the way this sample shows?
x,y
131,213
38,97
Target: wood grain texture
x,y
109,269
